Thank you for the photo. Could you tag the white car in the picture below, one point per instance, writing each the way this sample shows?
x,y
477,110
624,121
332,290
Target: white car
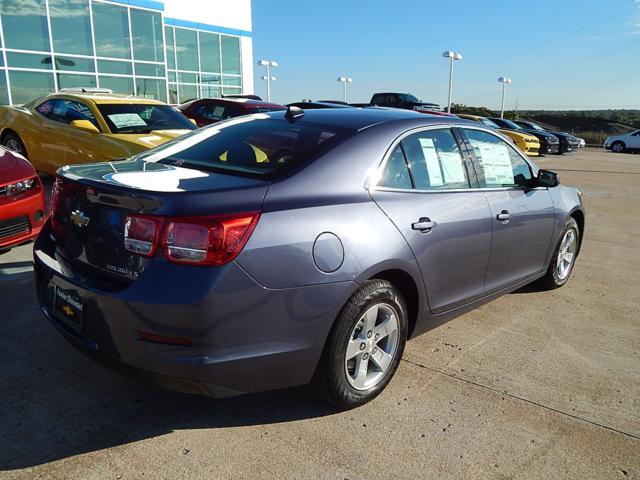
x,y
620,143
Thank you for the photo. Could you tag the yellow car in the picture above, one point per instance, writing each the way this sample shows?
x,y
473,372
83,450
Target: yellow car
x,y
529,144
83,126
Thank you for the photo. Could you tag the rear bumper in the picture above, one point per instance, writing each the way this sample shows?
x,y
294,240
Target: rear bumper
x,y
245,338
22,218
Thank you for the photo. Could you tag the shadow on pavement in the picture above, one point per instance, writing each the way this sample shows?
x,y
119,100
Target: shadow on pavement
x,y
56,403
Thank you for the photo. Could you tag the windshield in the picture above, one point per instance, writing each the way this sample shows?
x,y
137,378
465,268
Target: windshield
x,y
489,123
143,118
510,124
257,146
407,97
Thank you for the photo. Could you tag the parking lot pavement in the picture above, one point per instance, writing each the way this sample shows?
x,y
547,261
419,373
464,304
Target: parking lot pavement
x,y
536,384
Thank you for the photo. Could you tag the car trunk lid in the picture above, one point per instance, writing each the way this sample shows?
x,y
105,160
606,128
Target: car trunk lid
x,y
91,202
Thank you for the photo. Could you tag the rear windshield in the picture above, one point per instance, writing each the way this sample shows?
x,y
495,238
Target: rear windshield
x,y
256,146
141,118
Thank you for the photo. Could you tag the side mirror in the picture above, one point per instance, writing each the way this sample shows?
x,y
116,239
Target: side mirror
x,y
84,125
547,178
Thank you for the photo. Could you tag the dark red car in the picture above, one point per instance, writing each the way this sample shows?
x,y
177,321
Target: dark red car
x,y
22,211
206,111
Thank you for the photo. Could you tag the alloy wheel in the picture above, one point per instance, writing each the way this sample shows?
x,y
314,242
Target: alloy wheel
x,y
372,346
566,254
14,145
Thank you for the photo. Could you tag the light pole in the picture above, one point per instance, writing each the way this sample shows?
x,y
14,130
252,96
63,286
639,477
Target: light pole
x,y
344,81
268,64
452,56
503,81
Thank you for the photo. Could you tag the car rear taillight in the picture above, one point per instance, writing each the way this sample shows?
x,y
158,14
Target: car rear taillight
x,y
141,234
190,240
55,193
207,241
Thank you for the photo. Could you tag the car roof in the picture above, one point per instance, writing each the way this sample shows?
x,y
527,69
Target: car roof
x,y
319,103
102,97
232,101
361,118
468,116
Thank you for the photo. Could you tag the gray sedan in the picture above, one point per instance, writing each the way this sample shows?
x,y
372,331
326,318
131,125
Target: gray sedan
x,y
297,247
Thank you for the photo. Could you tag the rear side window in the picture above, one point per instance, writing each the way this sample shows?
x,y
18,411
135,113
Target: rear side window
x,y
214,112
435,160
255,146
65,111
396,173
499,165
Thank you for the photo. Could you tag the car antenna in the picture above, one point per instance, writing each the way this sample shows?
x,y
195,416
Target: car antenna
x,y
294,113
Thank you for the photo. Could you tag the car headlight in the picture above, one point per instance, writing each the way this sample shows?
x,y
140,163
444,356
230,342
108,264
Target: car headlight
x,y
17,188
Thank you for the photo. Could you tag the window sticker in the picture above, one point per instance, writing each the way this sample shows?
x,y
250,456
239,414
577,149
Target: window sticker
x,y
218,112
496,162
452,167
123,120
431,159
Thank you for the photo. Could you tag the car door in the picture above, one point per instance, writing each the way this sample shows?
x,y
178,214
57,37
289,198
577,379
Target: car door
x,y
49,148
634,140
523,216
425,189
82,146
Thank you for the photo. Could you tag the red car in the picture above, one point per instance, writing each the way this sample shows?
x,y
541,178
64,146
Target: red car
x,y
206,111
22,211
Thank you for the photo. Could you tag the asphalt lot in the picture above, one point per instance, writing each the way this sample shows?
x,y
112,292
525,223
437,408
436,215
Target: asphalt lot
x,y
534,385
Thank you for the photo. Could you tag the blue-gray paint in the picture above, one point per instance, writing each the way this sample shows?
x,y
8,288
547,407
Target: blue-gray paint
x,y
261,321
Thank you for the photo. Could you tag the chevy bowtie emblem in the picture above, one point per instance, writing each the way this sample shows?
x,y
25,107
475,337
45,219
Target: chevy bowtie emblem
x,y
79,219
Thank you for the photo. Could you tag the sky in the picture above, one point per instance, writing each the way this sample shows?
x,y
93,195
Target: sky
x,y
560,54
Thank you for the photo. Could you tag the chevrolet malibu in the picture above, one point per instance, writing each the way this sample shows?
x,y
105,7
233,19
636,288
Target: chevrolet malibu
x,y
286,248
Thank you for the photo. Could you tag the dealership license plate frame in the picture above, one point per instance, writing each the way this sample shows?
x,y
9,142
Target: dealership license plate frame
x,y
68,308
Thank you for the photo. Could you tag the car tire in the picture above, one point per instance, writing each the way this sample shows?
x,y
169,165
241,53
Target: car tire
x,y
365,346
12,141
564,257
618,147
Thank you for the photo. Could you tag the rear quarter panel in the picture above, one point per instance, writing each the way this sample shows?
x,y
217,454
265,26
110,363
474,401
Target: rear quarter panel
x,y
566,202
24,122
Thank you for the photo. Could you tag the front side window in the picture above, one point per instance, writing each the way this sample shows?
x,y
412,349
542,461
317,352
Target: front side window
x,y
65,111
143,118
435,160
498,164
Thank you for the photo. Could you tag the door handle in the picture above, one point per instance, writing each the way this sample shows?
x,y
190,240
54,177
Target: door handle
x,y
424,224
503,216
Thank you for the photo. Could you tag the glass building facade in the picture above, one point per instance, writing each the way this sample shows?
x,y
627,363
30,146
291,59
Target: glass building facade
x,y
47,45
